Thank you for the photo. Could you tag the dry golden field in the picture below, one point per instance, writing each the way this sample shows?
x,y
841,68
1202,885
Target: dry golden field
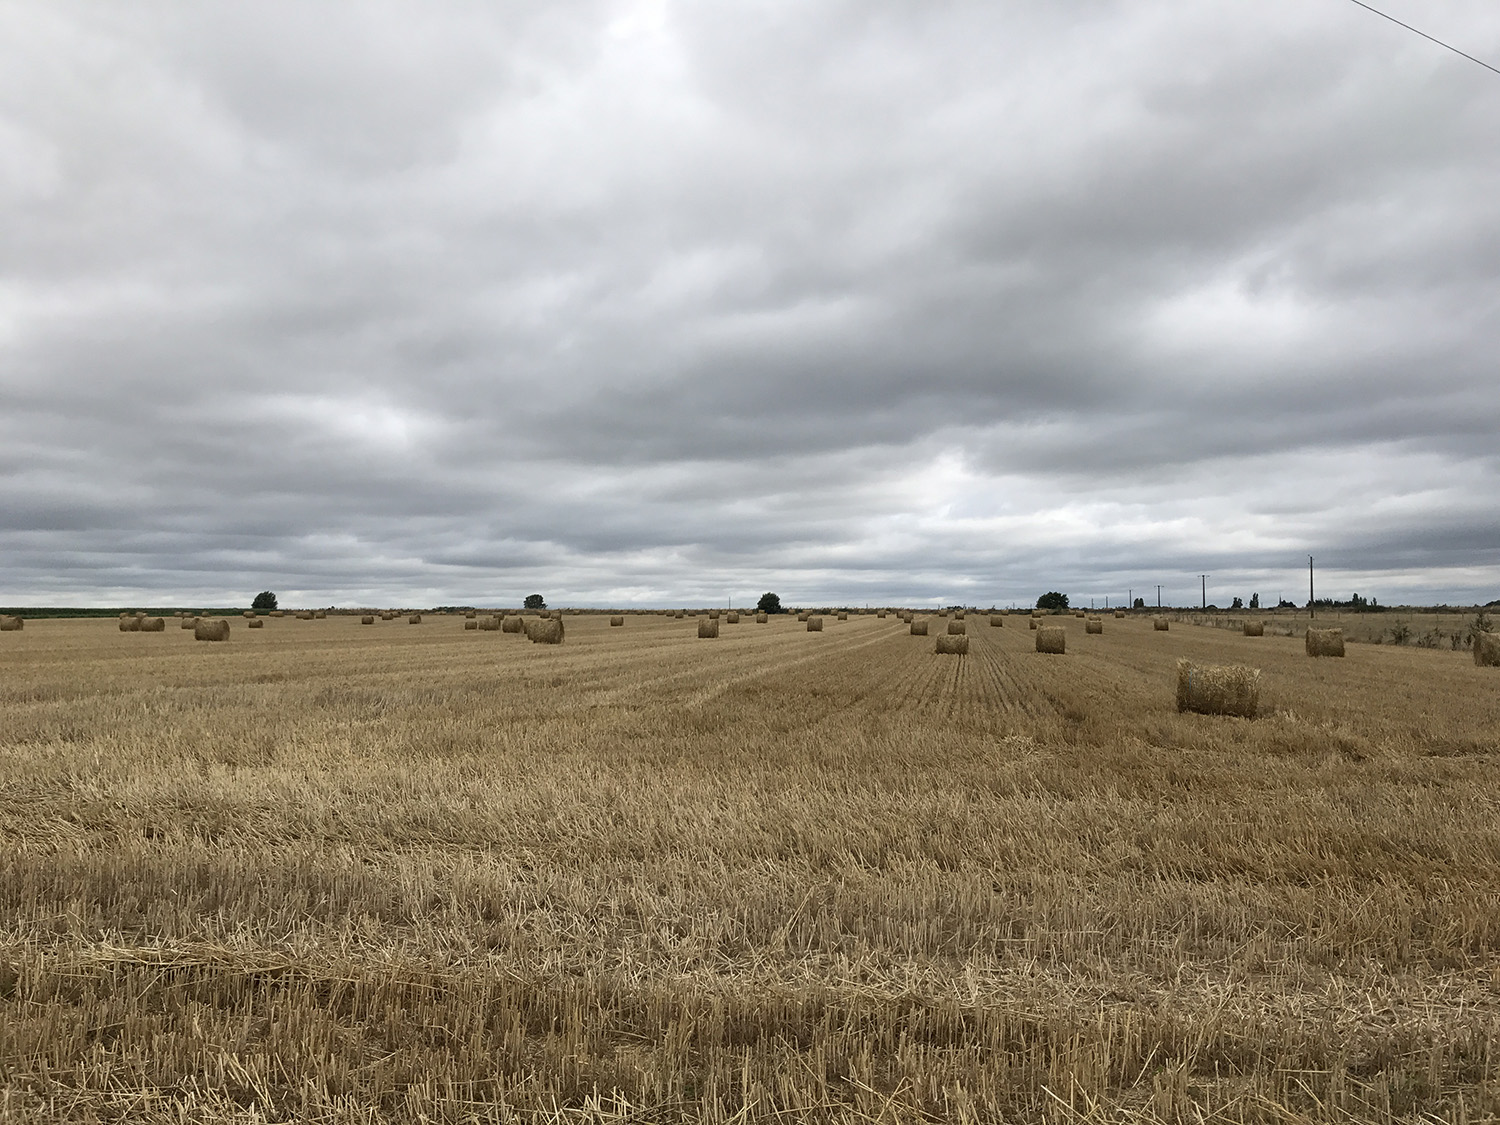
x,y
333,873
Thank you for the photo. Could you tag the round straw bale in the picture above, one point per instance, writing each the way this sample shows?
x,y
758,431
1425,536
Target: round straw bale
x,y
708,626
1053,639
189,622
489,624
131,624
762,618
1094,625
367,619
1161,624
1255,628
319,614
1486,650
679,615
1325,642
843,617
414,619
304,615
1119,615
732,618
616,621
1079,613
12,624
556,615
512,624
996,621
255,623
1033,623
387,616
1218,689
814,623
956,644
154,625
471,615
804,615
958,628
471,624
248,613
544,630
918,628
713,615
278,613
880,613
215,629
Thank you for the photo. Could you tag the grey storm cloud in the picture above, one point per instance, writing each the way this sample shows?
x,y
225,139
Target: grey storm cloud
x,y
664,303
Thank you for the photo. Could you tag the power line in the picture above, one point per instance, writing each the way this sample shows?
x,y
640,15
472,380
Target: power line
x,y
1424,35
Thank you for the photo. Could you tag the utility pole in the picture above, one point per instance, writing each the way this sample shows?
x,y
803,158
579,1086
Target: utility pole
x,y
1203,580
1158,595
1312,610
1130,600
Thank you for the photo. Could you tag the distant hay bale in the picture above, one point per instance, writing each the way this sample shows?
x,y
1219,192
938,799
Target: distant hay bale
x,y
1052,639
387,616
814,623
1079,613
304,615
489,624
880,613
1325,642
130,624
277,613
679,614
732,618
367,619
471,624
713,615
471,615
11,624
1119,615
154,625
918,628
189,622
1094,625
214,630
1161,624
248,613
996,621
414,619
512,624
955,644
708,627
804,615
1033,623
1486,650
843,617
319,614
762,618
1218,690
544,630
556,615
255,623
1255,628
616,621
957,627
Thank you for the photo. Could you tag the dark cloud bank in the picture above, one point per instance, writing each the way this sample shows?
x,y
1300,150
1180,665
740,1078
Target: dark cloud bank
x,y
667,303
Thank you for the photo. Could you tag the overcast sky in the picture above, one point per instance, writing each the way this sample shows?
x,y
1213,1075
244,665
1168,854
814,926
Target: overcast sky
x,y
674,303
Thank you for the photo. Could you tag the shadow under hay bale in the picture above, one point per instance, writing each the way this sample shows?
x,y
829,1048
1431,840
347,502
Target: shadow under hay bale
x,y
951,643
996,621
1487,650
489,624
1052,639
1255,628
544,630
1094,625
708,627
215,630
367,619
512,624
1161,624
1325,642
1218,689
957,628
616,621
12,624
814,624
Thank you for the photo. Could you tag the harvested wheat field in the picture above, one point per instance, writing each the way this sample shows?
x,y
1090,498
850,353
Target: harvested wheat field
x,y
342,874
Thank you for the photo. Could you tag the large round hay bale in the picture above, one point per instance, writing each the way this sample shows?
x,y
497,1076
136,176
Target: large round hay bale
x,y
556,615
762,618
471,615
154,625
1052,639
1032,623
996,621
11,624
958,627
414,619
804,615
189,622
1079,613
255,623
131,624
512,624
708,626
319,614
1218,690
489,624
248,613
814,623
471,624
731,618
843,617
367,619
713,615
616,621
304,615
956,644
277,613
1161,624
387,616
215,629
1255,628
918,628
1119,615
880,613
544,630
1325,642
1094,625
1486,650
679,615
